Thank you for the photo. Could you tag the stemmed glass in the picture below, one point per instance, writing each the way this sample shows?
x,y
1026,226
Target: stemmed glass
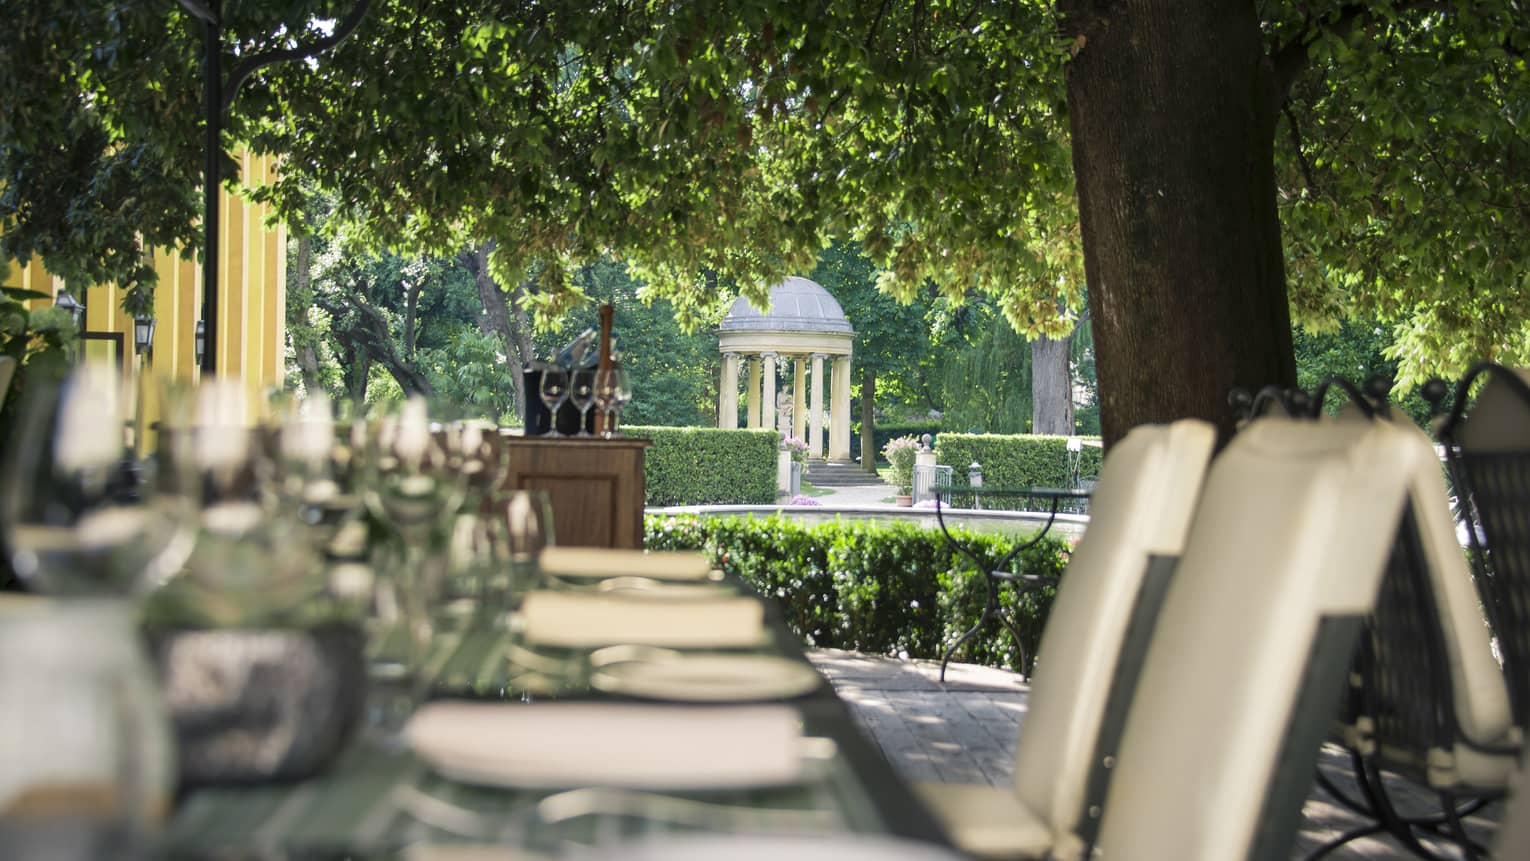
x,y
251,563
582,394
554,391
612,393
77,521
411,488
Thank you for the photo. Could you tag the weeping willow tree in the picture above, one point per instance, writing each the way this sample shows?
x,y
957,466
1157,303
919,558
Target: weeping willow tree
x,y
985,381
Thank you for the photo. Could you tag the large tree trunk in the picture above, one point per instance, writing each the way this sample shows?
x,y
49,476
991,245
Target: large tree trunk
x,y
1172,111
1051,386
868,410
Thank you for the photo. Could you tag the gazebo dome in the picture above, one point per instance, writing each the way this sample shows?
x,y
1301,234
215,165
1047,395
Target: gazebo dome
x,y
796,305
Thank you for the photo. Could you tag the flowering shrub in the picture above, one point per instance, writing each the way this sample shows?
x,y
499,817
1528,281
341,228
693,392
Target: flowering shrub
x,y
798,449
888,589
900,454
800,499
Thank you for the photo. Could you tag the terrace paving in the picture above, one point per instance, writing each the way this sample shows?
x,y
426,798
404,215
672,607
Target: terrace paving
x,y
964,731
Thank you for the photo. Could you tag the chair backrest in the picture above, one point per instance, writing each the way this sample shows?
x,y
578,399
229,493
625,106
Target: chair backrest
x,y
1427,641
1140,509
1244,673
1489,453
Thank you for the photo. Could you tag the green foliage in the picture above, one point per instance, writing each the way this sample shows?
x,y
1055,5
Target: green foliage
x,y
40,341
888,589
1015,461
471,377
701,466
1355,350
900,454
982,370
1403,161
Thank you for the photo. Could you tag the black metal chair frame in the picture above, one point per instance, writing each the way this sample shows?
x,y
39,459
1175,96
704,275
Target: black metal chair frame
x,y
992,577
1412,709
1488,487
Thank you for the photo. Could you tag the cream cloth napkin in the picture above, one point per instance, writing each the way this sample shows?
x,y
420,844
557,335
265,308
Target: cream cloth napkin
x,y
590,620
622,745
606,562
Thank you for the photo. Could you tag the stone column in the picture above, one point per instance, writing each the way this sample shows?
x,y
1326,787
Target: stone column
x,y
754,392
799,397
768,399
815,410
727,394
839,412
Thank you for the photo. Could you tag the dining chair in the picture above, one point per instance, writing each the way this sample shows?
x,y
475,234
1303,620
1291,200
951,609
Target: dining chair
x,y
1488,450
1426,700
1241,681
1098,626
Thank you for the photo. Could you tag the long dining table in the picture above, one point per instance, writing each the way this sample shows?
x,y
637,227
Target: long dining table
x,y
379,799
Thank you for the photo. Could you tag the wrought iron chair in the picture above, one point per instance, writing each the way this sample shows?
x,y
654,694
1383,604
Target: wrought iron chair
x,y
1489,456
1097,632
1244,673
1426,700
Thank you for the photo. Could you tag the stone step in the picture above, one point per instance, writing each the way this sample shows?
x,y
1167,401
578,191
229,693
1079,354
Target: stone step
x,y
822,474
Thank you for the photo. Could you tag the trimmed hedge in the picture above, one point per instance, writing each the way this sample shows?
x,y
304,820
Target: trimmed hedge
x,y
706,466
882,433
889,589
1017,460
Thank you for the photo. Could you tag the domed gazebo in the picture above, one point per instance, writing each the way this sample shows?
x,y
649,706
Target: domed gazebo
x,y
804,324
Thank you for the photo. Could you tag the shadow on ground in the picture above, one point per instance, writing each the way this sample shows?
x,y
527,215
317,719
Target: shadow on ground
x,y
964,731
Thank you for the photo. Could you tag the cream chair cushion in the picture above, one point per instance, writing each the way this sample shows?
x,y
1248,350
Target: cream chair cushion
x,y
1295,524
1141,507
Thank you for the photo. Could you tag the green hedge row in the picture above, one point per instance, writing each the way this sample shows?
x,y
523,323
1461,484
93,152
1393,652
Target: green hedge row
x,y
888,589
882,433
704,466
1018,460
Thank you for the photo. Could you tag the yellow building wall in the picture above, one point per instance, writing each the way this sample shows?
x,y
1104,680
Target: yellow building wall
x,y
252,293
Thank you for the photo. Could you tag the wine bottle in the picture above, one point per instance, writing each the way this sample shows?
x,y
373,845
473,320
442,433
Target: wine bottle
x,y
607,313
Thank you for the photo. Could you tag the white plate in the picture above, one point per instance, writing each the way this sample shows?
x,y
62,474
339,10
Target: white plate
x,y
708,678
622,745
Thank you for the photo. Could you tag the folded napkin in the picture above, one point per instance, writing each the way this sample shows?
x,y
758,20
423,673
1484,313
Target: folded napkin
x,y
620,745
591,619
606,562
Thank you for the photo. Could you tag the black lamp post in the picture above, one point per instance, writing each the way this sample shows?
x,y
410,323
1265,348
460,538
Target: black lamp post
x,y
218,95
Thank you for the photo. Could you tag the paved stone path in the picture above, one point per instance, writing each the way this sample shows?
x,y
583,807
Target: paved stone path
x,y
965,731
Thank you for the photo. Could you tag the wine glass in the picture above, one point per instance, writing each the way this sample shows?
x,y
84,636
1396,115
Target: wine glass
x,y
581,394
77,520
411,489
612,393
252,561
554,391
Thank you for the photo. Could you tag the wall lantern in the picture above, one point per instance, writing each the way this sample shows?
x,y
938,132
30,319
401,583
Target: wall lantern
x,y
75,308
143,334
201,342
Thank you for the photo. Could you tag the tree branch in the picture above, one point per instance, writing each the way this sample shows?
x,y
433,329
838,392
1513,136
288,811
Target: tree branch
x,y
265,58
1296,144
